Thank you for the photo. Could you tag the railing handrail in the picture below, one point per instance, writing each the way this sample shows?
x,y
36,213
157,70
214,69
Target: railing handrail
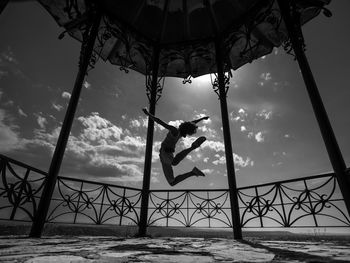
x,y
62,177
169,190
23,164
98,183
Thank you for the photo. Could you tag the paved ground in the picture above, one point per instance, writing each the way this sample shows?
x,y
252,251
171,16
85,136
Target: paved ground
x,y
92,249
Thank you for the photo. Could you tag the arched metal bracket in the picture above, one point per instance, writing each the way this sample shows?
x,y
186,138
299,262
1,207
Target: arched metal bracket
x,y
215,82
159,88
187,80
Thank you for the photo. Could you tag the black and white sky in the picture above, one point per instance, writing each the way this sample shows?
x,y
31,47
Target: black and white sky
x,y
274,132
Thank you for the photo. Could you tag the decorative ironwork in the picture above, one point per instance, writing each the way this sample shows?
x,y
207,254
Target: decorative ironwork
x,y
190,208
311,201
20,190
187,80
306,202
159,88
215,82
78,201
296,16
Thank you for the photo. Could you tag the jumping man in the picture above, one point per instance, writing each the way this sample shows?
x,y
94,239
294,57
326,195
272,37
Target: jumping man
x,y
168,145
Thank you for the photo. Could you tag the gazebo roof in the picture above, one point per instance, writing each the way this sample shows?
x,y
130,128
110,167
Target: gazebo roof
x,y
184,31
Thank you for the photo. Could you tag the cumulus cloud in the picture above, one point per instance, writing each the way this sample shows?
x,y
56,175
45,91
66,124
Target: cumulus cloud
x,y
175,123
41,121
104,148
9,137
216,146
208,132
141,122
259,137
265,114
241,115
86,84
239,161
66,95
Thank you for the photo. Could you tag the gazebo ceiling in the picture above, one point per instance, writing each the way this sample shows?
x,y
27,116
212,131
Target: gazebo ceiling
x,y
184,31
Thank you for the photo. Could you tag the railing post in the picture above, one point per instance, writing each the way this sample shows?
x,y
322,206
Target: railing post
x,y
149,145
295,34
236,223
86,52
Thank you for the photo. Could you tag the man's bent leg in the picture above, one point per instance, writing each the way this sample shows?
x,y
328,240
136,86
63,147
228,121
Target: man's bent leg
x,y
182,177
181,155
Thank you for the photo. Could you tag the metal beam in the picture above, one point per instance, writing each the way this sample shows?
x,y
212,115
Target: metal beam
x,y
149,145
295,34
231,177
87,49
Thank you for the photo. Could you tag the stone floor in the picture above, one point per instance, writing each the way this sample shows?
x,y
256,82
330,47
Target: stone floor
x,y
93,249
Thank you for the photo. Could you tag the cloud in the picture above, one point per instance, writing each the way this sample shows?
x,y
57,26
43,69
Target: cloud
x,y
66,95
209,132
141,122
41,121
57,107
266,76
265,114
243,129
216,146
208,171
86,84
259,137
9,65
135,123
240,116
201,115
98,129
9,137
239,161
22,113
103,148
175,123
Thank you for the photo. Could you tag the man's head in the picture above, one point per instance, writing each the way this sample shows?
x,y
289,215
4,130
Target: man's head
x,y
187,128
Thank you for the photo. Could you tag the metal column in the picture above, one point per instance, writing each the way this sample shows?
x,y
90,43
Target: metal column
x,y
295,34
86,52
3,4
231,177
149,145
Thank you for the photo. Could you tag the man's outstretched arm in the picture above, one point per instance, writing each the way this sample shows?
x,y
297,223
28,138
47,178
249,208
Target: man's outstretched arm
x,y
160,122
201,119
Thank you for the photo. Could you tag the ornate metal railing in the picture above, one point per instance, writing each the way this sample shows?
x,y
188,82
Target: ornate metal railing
x,y
20,189
304,202
81,201
307,202
74,200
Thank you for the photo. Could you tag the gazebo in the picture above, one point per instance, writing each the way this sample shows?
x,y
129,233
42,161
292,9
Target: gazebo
x,y
185,39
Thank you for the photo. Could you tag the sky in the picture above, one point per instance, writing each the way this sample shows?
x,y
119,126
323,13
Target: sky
x,y
274,132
